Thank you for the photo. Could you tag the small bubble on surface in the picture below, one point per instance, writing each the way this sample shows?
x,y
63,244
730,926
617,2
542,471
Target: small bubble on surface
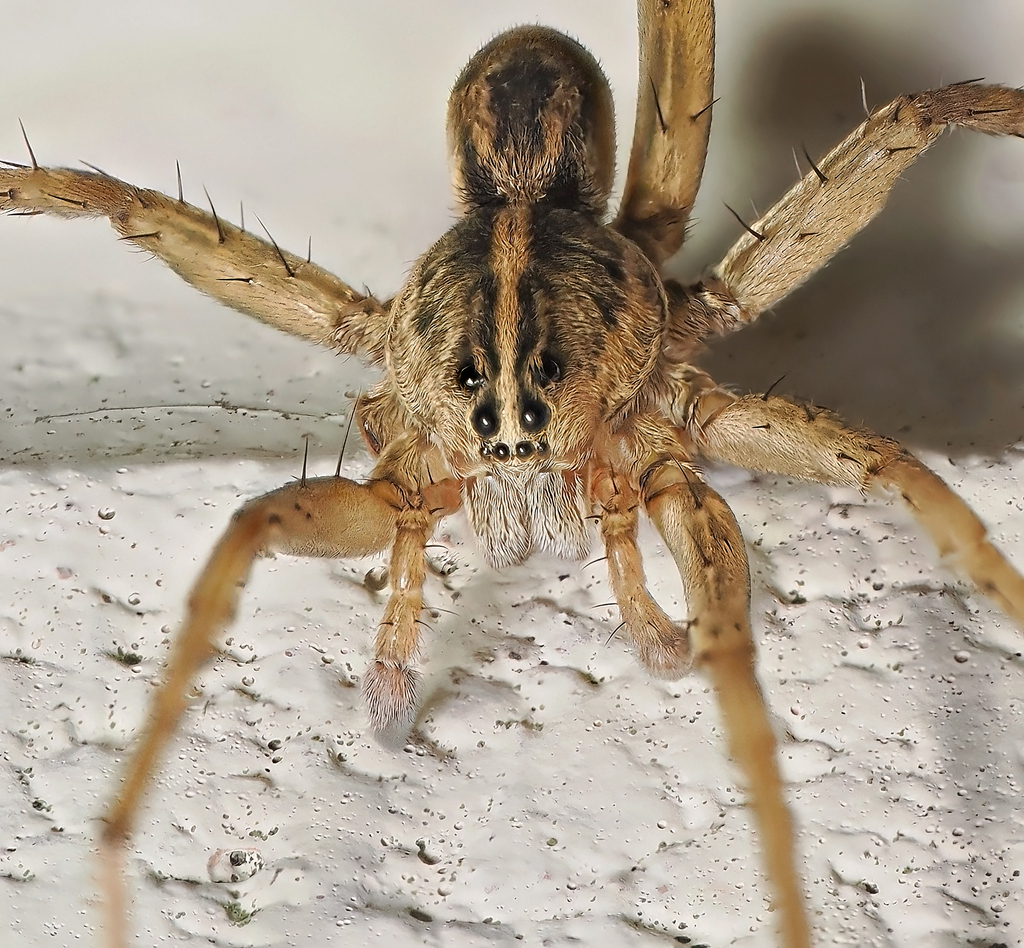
x,y
234,865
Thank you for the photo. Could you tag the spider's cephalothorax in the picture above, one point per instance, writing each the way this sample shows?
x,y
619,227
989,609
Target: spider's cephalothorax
x,y
531,326
537,372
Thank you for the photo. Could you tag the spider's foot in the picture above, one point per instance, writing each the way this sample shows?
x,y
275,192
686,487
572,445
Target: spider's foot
x,y
667,655
390,695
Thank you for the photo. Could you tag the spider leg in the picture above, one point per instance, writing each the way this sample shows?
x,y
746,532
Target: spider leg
x,y
704,540
390,683
327,516
673,119
222,260
662,645
830,204
777,435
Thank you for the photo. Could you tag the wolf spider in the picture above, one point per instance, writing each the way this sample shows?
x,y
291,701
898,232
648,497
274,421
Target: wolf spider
x,y
539,372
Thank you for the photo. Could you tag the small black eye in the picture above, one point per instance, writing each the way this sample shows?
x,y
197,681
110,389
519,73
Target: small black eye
x,y
550,369
468,377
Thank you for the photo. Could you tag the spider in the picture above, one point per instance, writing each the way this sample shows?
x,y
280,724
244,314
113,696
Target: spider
x,y
539,370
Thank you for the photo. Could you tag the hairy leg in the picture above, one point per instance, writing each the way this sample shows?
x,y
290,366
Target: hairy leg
x,y
837,198
673,120
777,435
222,260
662,645
389,685
329,516
704,540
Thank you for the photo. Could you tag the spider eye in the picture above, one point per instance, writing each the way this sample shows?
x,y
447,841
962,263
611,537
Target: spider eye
x,y
468,378
485,422
550,370
534,415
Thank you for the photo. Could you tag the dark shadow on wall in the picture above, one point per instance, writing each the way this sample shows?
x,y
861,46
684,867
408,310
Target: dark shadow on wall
x,y
912,331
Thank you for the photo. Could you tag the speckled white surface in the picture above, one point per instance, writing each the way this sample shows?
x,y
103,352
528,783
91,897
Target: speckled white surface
x,y
554,794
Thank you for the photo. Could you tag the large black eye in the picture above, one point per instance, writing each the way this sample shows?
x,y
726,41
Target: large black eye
x,y
485,421
533,415
550,369
468,377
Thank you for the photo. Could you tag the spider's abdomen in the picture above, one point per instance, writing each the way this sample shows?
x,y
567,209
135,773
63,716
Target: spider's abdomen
x,y
531,325
531,119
